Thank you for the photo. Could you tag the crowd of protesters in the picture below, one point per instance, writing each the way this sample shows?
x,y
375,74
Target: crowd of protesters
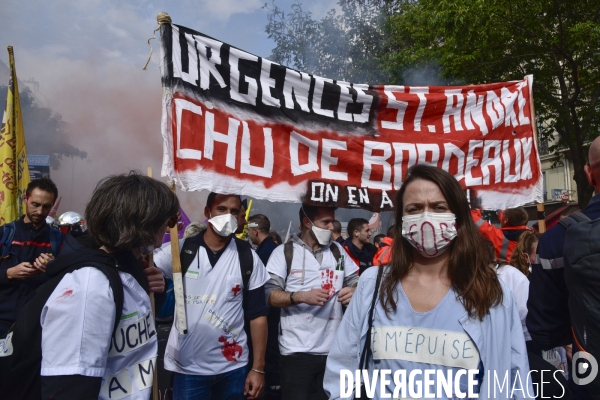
x,y
274,320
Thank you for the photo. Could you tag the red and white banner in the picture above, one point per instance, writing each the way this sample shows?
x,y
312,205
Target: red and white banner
x,y
237,123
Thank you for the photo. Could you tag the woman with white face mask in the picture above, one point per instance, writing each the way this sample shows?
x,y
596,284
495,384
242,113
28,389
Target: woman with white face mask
x,y
437,311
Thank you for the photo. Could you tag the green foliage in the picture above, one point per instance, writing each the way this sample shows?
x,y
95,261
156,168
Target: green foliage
x,y
482,41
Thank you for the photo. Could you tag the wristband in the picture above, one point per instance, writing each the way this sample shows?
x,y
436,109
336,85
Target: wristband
x,y
257,371
292,298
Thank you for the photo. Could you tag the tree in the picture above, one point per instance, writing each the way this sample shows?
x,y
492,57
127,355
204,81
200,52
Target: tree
x,y
340,46
468,42
481,41
45,131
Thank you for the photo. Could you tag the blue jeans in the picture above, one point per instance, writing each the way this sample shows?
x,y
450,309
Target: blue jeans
x,y
225,386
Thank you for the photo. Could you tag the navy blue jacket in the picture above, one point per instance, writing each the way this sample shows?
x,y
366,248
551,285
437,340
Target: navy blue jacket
x,y
265,248
548,319
27,245
363,258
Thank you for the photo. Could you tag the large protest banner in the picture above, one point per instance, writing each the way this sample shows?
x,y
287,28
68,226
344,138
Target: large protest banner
x,y
237,123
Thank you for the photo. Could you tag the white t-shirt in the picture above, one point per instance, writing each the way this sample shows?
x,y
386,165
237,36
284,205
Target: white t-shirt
x,y
306,328
77,323
215,341
518,284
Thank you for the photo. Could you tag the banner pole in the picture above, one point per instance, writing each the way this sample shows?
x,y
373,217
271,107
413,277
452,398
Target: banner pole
x,y
180,316
153,306
541,213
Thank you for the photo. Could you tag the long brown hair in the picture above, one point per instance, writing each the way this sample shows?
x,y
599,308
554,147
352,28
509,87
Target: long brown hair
x,y
526,242
469,270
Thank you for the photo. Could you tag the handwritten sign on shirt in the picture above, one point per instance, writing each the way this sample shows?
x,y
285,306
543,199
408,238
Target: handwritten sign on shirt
x,y
423,345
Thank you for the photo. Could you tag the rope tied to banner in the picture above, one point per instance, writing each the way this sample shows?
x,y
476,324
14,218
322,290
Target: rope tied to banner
x,y
161,18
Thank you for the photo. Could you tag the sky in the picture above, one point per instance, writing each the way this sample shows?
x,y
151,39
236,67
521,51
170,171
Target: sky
x,y
87,57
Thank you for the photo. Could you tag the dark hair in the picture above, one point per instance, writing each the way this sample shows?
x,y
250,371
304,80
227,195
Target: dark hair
x,y
355,224
310,211
469,270
378,238
276,237
391,231
127,211
527,240
264,225
515,216
212,196
337,227
44,184
211,199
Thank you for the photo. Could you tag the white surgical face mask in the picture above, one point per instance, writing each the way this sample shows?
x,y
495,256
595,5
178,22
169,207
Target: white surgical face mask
x,y
224,224
323,235
429,233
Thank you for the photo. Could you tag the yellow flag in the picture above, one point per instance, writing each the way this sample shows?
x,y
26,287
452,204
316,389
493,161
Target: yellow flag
x,y
14,170
244,234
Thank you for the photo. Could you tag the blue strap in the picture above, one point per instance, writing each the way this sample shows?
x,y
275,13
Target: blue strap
x,y
55,240
7,238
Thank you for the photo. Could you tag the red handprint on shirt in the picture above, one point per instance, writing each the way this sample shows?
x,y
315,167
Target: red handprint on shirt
x,y
229,350
328,281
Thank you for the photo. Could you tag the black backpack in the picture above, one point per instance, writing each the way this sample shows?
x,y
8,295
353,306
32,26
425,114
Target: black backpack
x,y
190,249
288,253
21,350
582,277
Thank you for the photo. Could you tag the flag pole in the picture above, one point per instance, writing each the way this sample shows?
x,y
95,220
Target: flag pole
x,y
153,306
180,316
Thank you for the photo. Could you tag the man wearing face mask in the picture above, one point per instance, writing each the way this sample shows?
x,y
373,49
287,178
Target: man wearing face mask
x,y
310,279
211,360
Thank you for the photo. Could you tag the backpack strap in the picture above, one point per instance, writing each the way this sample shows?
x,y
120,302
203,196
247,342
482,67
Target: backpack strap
x,y
190,249
288,252
367,348
573,219
335,250
116,285
112,274
7,238
246,260
55,240
188,253
246,267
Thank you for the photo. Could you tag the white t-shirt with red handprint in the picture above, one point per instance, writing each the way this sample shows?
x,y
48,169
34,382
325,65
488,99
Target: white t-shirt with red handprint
x,y
305,328
215,342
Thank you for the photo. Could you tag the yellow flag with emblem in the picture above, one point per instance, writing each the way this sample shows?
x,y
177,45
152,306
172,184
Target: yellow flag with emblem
x,y
14,170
